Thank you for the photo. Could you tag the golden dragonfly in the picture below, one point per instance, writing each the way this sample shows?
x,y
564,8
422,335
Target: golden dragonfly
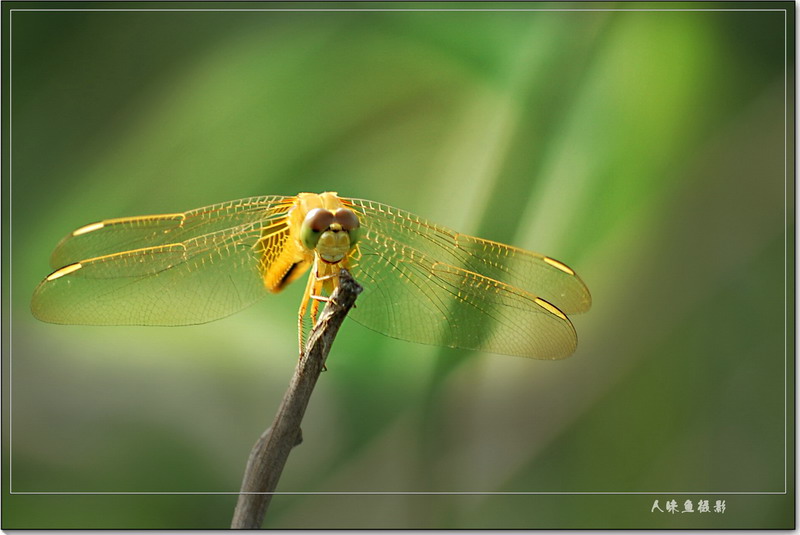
x,y
422,282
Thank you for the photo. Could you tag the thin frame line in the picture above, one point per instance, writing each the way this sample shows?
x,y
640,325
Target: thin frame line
x,y
440,10
10,263
407,493
499,493
785,257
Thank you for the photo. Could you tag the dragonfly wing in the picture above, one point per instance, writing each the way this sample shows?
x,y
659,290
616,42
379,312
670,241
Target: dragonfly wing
x,y
541,275
410,296
531,272
195,281
130,233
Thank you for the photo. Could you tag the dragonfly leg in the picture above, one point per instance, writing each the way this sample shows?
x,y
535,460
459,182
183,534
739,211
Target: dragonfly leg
x,y
300,332
328,277
329,282
304,306
315,300
314,309
313,289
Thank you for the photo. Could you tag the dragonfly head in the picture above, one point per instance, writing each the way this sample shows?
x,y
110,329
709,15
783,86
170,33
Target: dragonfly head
x,y
332,234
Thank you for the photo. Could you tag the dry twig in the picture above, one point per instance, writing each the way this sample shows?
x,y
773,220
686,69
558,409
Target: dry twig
x,y
269,454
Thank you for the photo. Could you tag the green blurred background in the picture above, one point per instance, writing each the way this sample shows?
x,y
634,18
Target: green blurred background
x,y
646,149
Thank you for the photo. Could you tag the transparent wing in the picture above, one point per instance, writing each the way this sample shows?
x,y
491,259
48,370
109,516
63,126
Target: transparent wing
x,y
206,276
531,272
427,284
128,233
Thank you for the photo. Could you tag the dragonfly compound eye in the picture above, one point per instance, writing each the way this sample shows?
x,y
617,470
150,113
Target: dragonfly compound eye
x,y
349,222
346,218
319,219
315,223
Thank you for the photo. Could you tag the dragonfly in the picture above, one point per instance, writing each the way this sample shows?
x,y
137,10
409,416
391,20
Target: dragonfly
x,y
422,282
